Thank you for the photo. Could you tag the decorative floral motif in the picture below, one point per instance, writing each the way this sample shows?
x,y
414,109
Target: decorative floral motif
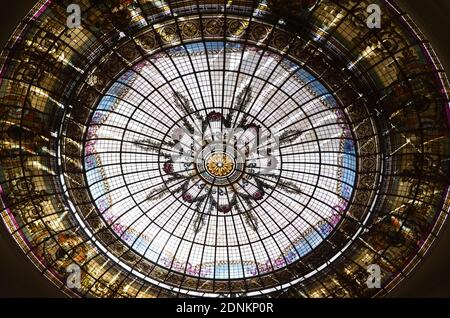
x,y
225,167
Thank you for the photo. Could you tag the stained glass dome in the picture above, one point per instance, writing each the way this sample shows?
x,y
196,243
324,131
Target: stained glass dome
x,y
223,148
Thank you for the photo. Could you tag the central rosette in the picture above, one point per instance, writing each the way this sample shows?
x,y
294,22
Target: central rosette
x,y
219,165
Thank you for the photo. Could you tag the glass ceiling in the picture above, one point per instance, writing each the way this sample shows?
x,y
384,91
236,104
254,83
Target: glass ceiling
x,y
305,201
223,148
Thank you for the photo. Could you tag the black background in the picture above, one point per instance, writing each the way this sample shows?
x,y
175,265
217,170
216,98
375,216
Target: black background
x,y
19,277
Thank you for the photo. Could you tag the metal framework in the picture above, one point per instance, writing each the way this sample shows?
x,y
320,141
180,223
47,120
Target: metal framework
x,y
223,148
